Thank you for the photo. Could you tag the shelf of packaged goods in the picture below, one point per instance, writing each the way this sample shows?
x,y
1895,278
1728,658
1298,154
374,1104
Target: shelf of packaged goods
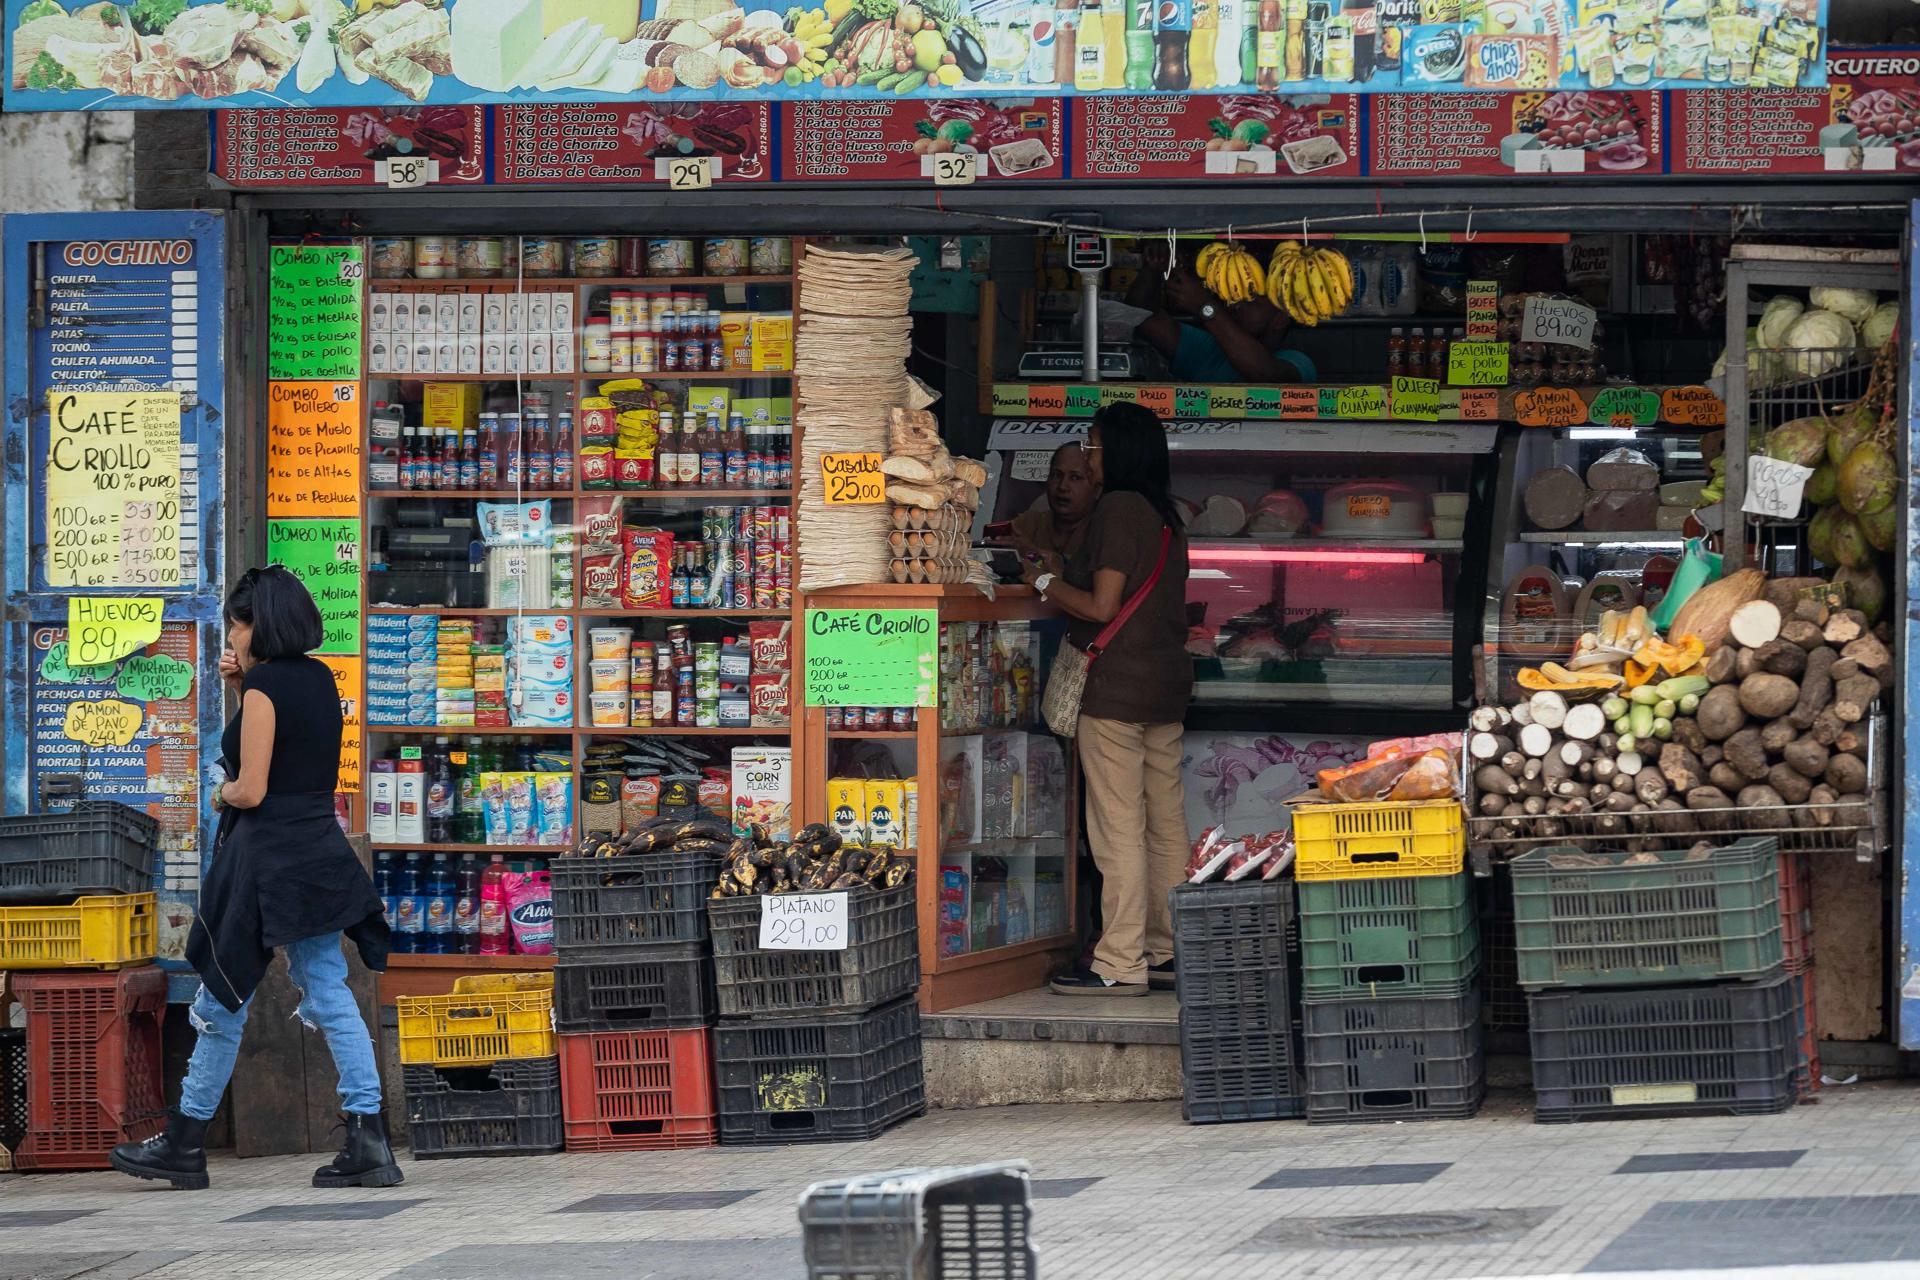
x,y
468,730
472,377
531,495
414,846
977,730
1253,692
1591,537
538,284
482,495
668,615
714,375
1257,543
454,611
688,731
856,735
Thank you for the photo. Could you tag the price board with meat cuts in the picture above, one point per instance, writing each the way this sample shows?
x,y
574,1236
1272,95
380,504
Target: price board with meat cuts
x,y
1866,121
1588,131
261,148
904,141
627,142
1235,135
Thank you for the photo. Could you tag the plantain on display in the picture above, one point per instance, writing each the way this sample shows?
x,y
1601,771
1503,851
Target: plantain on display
x,y
815,860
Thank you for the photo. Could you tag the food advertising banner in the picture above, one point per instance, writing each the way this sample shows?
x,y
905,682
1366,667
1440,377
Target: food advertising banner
x,y
63,55
1581,131
1233,136
632,142
1867,120
348,148
904,141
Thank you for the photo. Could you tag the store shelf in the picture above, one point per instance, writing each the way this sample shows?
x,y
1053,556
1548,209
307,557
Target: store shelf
x,y
467,730
540,284
711,375
688,731
1589,538
537,850
668,615
1257,693
473,377
688,495
1368,436
454,611
483,495
1327,544
856,735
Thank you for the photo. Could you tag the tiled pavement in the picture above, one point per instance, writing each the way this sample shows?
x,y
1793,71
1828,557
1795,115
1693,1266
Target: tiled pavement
x,y
1122,1191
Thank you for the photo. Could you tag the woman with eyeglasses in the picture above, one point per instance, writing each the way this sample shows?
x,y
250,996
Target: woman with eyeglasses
x,y
282,876
1135,699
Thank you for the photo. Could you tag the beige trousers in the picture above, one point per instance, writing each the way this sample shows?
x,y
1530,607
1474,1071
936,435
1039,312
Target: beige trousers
x,y
1137,825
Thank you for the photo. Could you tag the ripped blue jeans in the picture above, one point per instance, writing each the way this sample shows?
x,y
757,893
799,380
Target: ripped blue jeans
x,y
319,970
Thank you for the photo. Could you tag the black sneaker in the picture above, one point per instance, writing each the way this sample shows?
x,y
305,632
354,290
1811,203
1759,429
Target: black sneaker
x,y
1160,977
1085,982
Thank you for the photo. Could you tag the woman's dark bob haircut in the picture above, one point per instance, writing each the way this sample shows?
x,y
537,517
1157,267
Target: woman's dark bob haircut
x,y
285,621
1134,457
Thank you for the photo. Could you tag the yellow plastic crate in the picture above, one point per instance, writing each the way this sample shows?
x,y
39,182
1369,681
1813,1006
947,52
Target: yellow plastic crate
x,y
90,933
487,1017
1380,838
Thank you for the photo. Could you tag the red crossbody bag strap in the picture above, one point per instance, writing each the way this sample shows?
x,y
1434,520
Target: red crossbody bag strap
x,y
1112,629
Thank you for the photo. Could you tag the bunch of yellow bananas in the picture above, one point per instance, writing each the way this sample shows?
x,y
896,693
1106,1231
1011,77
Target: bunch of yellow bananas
x,y
813,30
1310,285
1233,274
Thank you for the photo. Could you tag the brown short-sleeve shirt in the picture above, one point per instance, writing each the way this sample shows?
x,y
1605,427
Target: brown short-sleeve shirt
x,y
1144,676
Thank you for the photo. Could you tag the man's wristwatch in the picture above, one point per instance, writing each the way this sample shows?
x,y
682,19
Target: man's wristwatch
x,y
1041,583
1208,311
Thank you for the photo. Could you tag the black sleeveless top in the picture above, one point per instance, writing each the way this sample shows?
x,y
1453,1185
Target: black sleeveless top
x,y
306,725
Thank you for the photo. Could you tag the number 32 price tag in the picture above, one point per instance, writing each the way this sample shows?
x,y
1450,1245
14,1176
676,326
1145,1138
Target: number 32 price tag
x,y
954,169
803,921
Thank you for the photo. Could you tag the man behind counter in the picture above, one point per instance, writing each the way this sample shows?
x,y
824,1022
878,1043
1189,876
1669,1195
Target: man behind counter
x,y
1060,525
1228,342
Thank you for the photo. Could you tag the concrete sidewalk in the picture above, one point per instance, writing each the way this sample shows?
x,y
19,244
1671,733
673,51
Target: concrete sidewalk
x,y
1122,1190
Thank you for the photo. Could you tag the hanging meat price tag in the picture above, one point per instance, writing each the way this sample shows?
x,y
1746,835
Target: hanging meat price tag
x,y
403,173
687,173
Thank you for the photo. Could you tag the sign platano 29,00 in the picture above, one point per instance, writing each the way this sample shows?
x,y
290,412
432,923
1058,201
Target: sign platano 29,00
x,y
66,55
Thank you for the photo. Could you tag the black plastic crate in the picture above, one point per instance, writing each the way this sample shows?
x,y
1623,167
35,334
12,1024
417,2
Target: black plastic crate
x,y
967,1223
13,1086
1503,1001
881,962
654,898
101,847
632,988
825,1078
1405,1058
511,1108
1240,1066
1721,1048
1236,944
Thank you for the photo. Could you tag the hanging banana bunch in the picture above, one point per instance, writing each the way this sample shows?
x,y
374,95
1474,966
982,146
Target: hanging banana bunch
x,y
1233,274
1310,285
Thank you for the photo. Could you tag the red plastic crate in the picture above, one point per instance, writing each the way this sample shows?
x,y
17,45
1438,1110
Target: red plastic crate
x,y
1796,911
93,1064
637,1090
1809,1025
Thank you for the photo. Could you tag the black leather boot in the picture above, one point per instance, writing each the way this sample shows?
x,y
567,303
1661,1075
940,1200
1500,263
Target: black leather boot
x,y
177,1154
366,1159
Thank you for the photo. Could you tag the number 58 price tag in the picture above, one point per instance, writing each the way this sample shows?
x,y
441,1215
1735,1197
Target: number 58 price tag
x,y
803,921
404,172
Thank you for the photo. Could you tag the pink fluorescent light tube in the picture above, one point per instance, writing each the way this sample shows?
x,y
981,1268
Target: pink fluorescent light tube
x,y
1302,555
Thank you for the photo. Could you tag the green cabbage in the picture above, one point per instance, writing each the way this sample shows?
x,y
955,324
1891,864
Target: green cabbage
x,y
1854,304
1776,319
41,9
1879,325
1819,341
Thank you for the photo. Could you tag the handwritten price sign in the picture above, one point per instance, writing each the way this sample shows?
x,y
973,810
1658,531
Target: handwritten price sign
x,y
803,921
951,170
1557,320
687,173
852,479
1774,488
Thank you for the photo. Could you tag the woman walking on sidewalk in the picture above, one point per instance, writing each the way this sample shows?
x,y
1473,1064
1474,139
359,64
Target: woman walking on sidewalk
x,y
1132,567
282,875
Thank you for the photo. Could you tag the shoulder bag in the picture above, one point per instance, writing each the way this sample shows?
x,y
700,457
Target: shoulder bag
x,y
1067,682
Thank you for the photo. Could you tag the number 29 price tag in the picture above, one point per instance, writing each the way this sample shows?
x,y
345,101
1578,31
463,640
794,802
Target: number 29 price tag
x,y
687,173
405,172
803,921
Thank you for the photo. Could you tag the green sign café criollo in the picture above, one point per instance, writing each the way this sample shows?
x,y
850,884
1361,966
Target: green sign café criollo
x,y
149,54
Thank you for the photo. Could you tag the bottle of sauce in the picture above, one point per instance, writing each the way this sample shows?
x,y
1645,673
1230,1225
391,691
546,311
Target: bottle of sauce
x,y
1206,29
1066,16
1396,347
1270,45
540,454
1090,44
563,452
489,456
469,459
512,476
1138,73
735,448
1417,354
756,477
1171,35
713,456
446,460
688,465
409,458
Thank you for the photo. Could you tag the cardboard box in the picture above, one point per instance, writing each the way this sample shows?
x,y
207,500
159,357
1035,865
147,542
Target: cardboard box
x,y
469,354
380,353
539,312
493,313
516,352
423,353
562,352
516,312
773,342
560,313
446,353
401,307
423,315
736,338
469,315
446,313
493,353
539,352
380,312
763,790
450,404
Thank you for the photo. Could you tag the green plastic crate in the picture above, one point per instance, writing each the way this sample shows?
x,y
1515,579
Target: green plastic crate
x,y
1393,936
1644,924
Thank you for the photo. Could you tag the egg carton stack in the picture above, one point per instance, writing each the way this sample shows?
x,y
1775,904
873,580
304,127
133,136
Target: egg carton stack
x,y
934,497
850,351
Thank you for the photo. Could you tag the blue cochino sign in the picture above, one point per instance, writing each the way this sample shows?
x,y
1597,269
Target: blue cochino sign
x,y
64,55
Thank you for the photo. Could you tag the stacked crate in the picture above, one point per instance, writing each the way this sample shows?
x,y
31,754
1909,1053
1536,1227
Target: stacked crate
x,y
1656,981
77,930
1796,951
479,1068
635,1004
1389,962
1239,989
818,1046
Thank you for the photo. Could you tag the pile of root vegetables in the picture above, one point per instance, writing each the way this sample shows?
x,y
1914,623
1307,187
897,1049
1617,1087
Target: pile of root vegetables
x,y
1768,733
